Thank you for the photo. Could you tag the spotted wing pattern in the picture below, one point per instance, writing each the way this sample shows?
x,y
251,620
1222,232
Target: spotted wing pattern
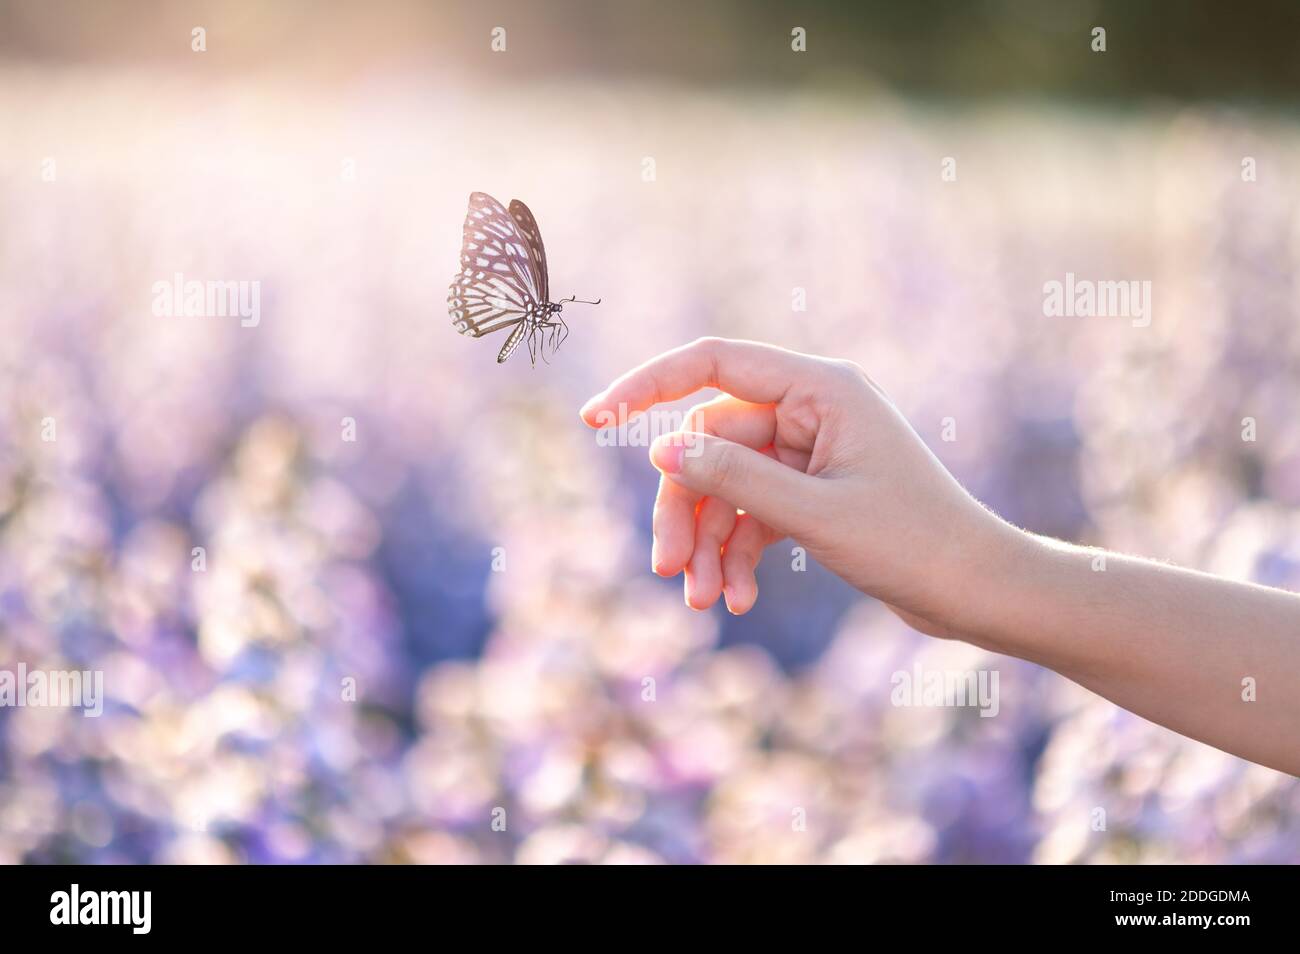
x,y
497,280
527,225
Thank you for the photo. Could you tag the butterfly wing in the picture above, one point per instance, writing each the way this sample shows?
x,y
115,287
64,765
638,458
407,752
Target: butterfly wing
x,y
496,280
527,225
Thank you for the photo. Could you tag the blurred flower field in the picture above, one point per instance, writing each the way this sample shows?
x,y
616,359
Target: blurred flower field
x,y
477,566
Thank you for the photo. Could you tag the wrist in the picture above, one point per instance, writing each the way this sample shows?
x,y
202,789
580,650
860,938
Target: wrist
x,y
1033,587
999,609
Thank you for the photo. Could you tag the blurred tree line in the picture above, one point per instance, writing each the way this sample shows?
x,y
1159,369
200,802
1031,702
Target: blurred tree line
x,y
1246,50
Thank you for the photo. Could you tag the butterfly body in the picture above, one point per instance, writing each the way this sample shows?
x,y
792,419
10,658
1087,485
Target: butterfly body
x,y
538,319
503,282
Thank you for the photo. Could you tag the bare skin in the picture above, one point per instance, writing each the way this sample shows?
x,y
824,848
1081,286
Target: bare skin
x,y
811,448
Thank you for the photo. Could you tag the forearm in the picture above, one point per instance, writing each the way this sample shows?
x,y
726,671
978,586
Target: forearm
x,y
1172,645
849,478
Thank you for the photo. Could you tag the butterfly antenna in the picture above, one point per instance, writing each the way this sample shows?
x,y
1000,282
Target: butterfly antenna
x,y
580,301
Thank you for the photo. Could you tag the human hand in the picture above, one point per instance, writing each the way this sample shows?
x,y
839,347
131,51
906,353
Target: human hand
x,y
813,449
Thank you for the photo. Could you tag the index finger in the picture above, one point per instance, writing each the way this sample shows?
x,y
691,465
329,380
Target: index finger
x,y
749,370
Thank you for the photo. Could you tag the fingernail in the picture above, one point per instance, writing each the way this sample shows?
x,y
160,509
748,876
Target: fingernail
x,y
729,595
667,456
589,408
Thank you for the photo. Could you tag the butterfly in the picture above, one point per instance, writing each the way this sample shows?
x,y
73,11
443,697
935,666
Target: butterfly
x,y
502,281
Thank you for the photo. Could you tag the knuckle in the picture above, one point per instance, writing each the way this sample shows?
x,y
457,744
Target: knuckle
x,y
711,348
715,519
850,375
697,418
749,545
725,466
849,371
745,556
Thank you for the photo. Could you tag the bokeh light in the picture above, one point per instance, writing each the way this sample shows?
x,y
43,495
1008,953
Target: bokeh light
x,y
226,736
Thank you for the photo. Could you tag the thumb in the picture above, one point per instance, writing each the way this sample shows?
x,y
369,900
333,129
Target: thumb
x,y
785,499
